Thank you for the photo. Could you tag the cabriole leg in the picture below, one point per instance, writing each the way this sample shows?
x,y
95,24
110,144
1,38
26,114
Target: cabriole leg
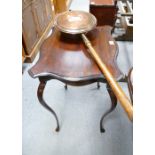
x,y
44,104
113,106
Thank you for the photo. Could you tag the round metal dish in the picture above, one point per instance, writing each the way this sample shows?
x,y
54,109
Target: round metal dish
x,y
75,22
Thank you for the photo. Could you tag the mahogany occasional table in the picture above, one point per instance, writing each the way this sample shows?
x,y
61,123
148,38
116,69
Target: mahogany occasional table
x,y
64,57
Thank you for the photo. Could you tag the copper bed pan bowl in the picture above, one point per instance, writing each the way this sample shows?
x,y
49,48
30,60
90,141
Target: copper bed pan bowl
x,y
75,22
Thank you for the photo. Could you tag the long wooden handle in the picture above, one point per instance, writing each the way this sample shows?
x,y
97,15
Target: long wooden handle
x,y
121,96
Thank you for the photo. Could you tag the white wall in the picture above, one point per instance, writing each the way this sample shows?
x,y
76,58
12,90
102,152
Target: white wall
x,y
80,5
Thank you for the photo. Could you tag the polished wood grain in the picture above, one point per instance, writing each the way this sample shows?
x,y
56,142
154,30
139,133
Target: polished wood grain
x,y
66,56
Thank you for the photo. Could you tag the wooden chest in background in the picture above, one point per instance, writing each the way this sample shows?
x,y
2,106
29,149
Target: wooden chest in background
x,y
104,10
37,20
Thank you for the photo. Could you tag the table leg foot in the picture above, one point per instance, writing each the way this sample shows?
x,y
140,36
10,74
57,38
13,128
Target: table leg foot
x,y
66,87
113,106
44,104
98,85
57,128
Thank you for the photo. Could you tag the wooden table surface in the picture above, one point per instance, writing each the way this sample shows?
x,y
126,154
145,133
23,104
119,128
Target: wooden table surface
x,y
66,55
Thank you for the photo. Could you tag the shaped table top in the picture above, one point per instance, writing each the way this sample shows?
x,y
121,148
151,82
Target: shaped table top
x,y
66,56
